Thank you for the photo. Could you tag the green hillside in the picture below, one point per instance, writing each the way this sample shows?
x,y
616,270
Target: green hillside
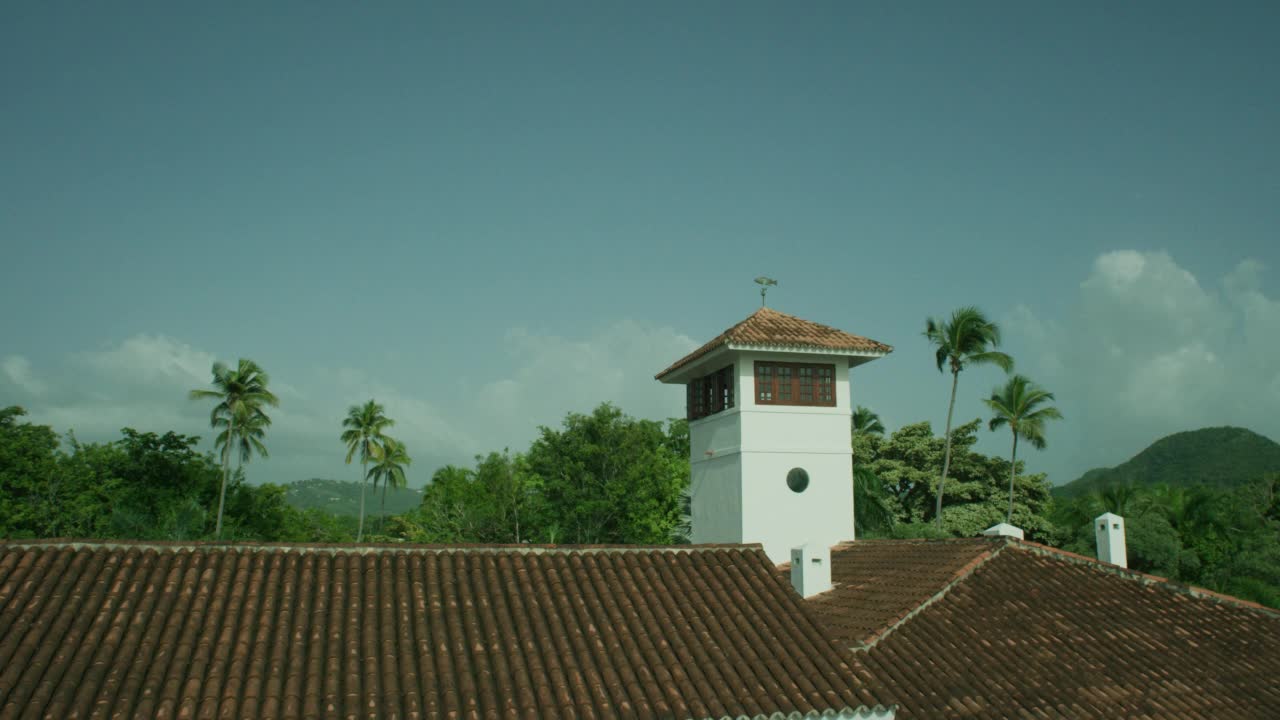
x,y
1219,457
342,497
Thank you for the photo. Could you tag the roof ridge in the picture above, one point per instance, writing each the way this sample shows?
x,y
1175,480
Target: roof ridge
x,y
862,712
959,576
1145,578
371,548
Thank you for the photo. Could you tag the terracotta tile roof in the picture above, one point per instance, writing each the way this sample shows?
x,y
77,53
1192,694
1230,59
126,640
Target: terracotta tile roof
x,y
767,328
204,631
1024,631
879,582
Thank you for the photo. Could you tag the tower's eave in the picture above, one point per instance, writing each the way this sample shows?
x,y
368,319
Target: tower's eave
x,y
770,330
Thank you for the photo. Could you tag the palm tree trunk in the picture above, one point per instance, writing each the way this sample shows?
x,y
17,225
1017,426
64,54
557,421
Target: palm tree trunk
x,y
1013,464
946,458
226,473
363,482
382,508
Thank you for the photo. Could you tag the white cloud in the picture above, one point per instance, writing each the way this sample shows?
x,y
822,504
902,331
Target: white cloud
x,y
555,375
153,358
1149,350
142,382
17,369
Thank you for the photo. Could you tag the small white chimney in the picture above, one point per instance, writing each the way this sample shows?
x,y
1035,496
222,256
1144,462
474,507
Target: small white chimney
x,y
1004,530
1108,528
811,569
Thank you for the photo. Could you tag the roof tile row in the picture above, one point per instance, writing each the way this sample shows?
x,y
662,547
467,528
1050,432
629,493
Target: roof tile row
x,y
1005,629
218,632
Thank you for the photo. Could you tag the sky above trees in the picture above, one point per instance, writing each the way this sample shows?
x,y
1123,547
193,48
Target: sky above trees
x,y
487,217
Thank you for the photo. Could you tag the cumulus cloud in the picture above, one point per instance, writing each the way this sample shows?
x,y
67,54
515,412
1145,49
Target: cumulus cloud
x,y
1148,349
142,382
152,359
555,375
17,370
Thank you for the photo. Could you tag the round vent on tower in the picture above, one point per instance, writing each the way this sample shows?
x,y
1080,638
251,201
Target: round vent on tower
x,y
798,479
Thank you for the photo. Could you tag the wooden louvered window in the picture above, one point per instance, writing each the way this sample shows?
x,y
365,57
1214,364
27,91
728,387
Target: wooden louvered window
x,y
795,384
709,394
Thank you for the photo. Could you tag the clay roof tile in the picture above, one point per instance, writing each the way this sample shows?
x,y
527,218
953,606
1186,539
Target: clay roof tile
x,y
998,628
211,631
770,329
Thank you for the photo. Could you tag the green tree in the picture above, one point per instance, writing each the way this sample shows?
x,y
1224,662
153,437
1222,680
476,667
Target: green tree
x,y
240,393
610,478
907,465
494,503
389,461
966,338
865,421
452,508
1021,405
364,431
28,463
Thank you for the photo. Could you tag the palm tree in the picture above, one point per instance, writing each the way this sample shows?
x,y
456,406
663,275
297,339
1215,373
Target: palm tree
x,y
389,461
1123,498
364,425
865,421
871,509
1021,404
967,338
249,430
241,394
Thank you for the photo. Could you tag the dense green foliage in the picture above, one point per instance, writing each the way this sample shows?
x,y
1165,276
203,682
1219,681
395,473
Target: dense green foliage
x,y
142,486
1224,539
1222,457
907,466
601,478
342,497
606,477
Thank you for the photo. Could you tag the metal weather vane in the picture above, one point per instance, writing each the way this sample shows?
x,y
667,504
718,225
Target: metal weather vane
x,y
765,283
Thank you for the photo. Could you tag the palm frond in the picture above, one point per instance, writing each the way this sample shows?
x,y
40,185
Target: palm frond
x,y
992,357
966,337
365,426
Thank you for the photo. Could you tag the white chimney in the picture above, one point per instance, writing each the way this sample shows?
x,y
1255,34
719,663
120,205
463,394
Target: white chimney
x,y
811,569
1108,528
1004,530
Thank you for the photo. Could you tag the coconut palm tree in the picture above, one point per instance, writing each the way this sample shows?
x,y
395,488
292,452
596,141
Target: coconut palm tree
x,y
249,430
1021,405
241,393
871,511
364,431
245,433
865,421
966,338
389,461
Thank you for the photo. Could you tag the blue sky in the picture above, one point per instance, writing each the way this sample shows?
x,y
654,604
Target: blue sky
x,y
489,214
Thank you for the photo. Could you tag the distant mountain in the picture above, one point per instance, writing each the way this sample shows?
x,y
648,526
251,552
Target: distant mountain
x,y
342,497
1221,456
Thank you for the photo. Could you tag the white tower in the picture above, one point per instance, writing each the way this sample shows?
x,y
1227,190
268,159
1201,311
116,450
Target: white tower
x,y
769,410
1108,529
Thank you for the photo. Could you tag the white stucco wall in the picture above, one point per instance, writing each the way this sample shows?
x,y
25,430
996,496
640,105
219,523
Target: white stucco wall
x,y
716,499
740,460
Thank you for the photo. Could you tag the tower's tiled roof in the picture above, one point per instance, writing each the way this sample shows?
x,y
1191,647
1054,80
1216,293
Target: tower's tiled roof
x,y
998,628
767,328
202,631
